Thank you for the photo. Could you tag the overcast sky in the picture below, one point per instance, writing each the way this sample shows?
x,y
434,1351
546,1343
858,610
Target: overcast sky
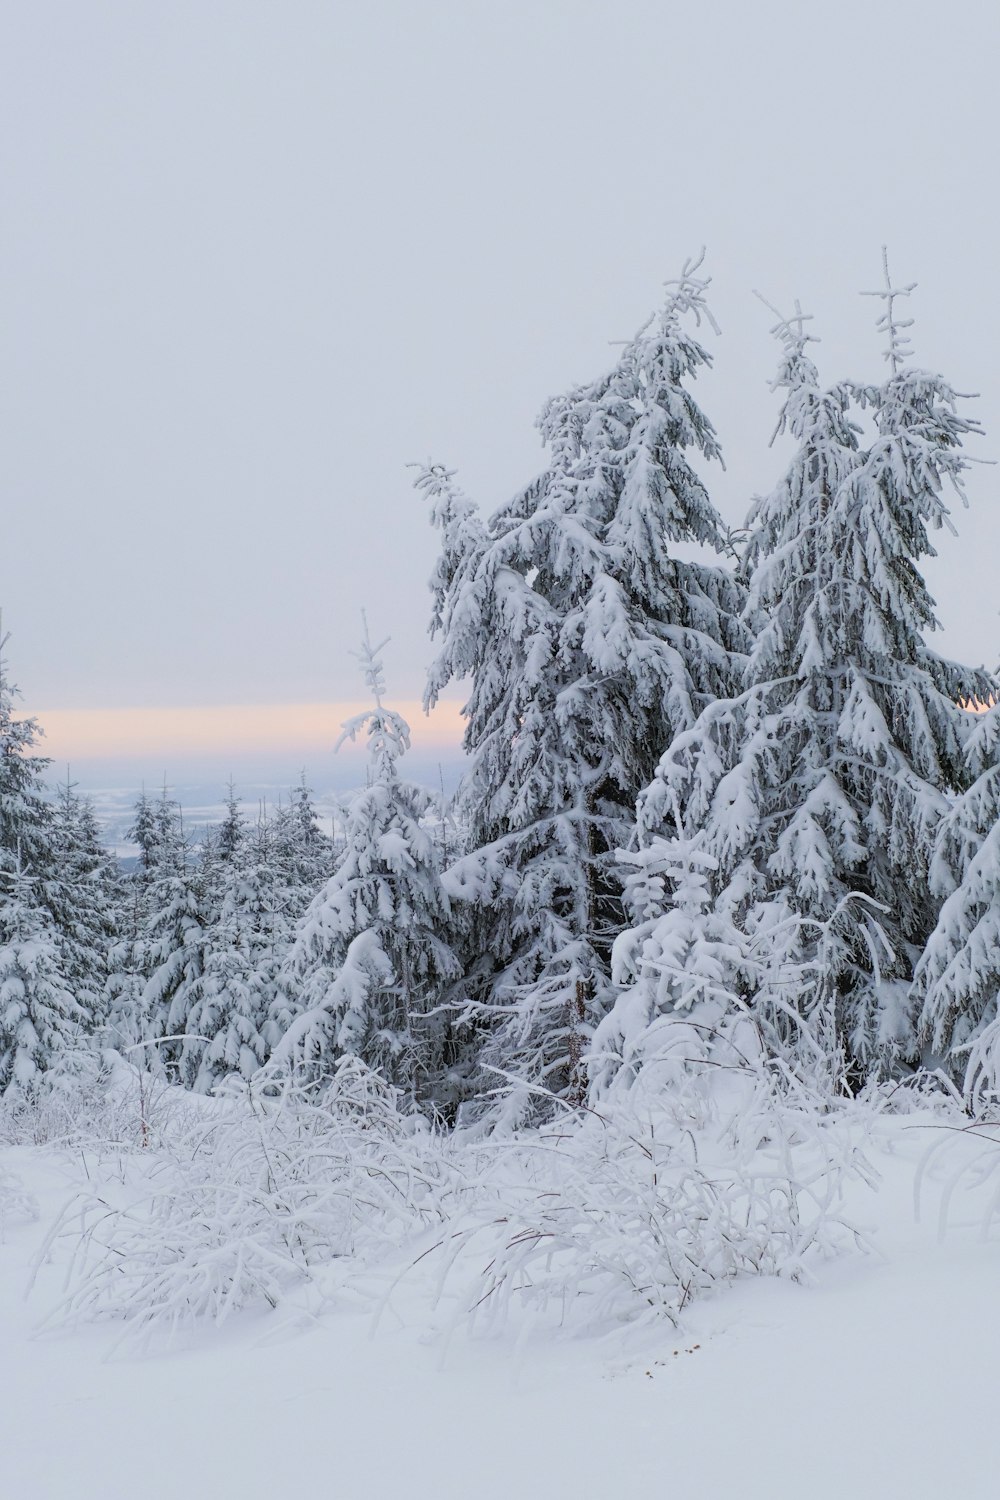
x,y
258,257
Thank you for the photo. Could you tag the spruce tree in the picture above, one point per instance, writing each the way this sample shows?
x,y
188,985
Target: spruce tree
x,y
130,961
227,1007
174,943
370,966
681,972
957,981
821,785
41,1024
82,891
25,814
588,645
42,1027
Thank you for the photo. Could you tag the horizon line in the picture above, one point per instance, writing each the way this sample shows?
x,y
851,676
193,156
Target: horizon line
x,y
82,734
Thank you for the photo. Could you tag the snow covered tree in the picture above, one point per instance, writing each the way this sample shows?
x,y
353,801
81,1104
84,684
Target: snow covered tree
x,y
25,815
232,830
130,962
82,890
247,935
41,1024
174,940
588,645
957,981
820,786
369,965
682,971
301,852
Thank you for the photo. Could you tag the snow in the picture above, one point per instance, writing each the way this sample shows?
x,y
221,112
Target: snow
x,y
875,1379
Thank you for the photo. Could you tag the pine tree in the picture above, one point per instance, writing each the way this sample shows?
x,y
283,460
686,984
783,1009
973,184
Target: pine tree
x,y
588,645
821,785
369,963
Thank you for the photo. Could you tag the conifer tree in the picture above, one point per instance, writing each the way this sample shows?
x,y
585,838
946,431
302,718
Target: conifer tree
x,y
682,971
41,1024
130,961
821,785
588,644
174,944
25,815
957,982
82,891
227,1007
299,848
369,964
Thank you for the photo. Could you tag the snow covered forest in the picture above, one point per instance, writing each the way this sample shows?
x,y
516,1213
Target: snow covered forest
x,y
719,892
704,799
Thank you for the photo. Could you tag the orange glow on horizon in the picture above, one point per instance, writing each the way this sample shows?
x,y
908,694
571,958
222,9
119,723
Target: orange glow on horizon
x,y
81,734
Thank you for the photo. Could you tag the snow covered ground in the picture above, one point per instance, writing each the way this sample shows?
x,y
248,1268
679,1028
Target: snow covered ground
x,y
878,1379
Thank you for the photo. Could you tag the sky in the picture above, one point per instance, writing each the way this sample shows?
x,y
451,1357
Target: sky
x,y
259,257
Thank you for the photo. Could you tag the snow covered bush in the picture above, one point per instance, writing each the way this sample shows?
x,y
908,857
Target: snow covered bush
x,y
261,1188
628,1212
95,1102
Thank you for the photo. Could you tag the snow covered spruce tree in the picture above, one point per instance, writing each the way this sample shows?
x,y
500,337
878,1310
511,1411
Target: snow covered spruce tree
x,y
957,982
228,1003
41,1023
127,1024
681,972
83,891
588,646
301,844
174,944
820,786
42,1026
370,967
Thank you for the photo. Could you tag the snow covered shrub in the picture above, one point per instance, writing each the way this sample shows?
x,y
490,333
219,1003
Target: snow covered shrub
x,y
63,1104
95,1101
274,1181
653,1200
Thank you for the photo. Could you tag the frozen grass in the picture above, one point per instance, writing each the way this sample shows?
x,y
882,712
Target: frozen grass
x,y
628,1214
246,1200
614,1216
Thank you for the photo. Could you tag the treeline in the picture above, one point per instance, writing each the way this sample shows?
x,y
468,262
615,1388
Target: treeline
x,y
738,797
